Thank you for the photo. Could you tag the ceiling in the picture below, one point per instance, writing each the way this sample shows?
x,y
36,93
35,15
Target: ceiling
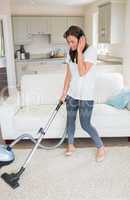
x,y
52,2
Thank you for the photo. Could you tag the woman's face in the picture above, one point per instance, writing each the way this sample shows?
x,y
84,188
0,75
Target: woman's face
x,y
72,42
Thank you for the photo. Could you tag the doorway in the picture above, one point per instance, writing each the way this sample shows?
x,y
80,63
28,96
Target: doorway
x,y
3,71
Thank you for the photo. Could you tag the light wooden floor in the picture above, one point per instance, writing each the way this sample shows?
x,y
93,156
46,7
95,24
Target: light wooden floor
x,y
82,142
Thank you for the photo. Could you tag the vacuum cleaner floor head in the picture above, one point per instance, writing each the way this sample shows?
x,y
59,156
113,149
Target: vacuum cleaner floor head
x,y
11,179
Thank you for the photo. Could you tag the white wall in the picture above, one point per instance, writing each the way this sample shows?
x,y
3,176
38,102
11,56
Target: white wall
x,y
4,7
41,45
89,11
5,15
127,48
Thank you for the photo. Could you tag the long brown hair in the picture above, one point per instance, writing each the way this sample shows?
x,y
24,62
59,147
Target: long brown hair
x,y
77,32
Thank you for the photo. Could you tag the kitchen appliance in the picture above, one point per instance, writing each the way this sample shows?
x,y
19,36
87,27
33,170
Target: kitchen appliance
x,y
27,55
22,52
17,54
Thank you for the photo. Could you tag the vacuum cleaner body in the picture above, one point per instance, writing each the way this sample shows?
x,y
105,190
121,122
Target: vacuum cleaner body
x,y
6,155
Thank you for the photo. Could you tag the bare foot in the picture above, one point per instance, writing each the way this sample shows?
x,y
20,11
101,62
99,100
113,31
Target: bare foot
x,y
100,155
70,149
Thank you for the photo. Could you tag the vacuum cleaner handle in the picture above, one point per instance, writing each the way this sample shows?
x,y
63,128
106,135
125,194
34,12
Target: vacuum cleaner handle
x,y
59,104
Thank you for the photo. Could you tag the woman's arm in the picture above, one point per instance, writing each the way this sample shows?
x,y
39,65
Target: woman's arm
x,y
83,67
66,82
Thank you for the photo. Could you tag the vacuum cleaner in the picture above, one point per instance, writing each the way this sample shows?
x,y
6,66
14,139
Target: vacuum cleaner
x,y
7,156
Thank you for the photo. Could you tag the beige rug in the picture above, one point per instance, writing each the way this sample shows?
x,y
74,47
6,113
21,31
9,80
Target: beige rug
x,y
53,176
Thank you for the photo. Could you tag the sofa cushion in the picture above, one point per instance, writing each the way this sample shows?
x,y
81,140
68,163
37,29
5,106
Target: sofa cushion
x,y
105,116
31,118
119,101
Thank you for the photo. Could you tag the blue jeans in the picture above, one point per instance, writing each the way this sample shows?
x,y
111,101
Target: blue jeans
x,y
85,112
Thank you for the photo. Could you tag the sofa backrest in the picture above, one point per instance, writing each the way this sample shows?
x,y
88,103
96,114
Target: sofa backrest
x,y
107,85
41,88
47,88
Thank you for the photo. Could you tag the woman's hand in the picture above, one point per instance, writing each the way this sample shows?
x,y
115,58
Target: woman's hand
x,y
81,44
62,98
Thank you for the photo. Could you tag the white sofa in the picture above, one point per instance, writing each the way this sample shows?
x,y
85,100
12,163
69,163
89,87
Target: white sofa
x,y
30,109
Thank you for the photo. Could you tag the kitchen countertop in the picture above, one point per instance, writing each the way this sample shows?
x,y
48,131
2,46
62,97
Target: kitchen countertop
x,y
99,62
61,60
110,59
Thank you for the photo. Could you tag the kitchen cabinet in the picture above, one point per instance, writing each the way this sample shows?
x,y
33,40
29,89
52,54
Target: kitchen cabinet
x,y
36,67
46,67
77,21
111,22
39,25
21,30
104,23
60,24
25,27
20,69
58,27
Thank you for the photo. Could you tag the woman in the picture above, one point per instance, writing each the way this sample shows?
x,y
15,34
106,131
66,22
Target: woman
x,y
78,88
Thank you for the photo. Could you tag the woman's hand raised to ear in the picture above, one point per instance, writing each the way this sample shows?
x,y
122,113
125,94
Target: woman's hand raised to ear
x,y
81,44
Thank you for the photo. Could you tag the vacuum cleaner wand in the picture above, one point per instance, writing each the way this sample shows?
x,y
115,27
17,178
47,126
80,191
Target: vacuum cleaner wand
x,y
13,178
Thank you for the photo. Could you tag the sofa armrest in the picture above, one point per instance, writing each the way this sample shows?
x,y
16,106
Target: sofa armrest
x,y
8,109
10,106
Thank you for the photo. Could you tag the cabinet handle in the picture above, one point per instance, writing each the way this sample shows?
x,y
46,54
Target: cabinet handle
x,y
103,32
29,35
43,62
24,67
